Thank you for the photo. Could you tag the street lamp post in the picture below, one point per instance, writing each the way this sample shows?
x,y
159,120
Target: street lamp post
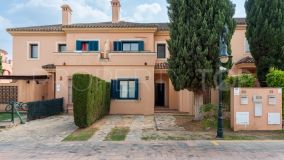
x,y
223,58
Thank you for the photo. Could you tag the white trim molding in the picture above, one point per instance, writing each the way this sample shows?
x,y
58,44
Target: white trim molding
x,y
29,51
167,51
59,42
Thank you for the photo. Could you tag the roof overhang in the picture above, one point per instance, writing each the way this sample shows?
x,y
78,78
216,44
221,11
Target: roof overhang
x,y
110,30
23,77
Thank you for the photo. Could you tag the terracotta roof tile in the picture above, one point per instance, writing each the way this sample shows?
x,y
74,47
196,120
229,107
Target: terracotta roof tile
x,y
247,59
122,24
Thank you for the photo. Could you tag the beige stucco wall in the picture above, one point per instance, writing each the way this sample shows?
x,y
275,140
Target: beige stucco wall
x,y
118,66
47,45
256,123
31,90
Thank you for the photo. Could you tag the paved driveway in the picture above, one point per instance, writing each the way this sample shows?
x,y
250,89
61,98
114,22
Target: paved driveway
x,y
42,140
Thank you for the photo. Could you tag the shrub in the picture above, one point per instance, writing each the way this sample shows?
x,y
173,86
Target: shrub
x,y
91,99
275,78
209,112
243,80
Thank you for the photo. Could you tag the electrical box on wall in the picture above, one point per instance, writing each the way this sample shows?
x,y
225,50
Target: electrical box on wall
x,y
257,99
258,109
244,100
272,100
274,118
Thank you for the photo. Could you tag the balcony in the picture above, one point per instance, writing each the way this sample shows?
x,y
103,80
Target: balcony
x,y
113,59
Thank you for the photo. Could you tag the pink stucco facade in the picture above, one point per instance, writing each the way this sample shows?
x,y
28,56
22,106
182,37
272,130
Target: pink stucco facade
x,y
256,109
143,65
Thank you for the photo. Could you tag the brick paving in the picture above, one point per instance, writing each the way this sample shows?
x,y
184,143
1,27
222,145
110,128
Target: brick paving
x,y
41,139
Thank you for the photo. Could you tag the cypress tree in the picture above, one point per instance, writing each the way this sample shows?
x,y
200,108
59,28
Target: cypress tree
x,y
195,28
265,34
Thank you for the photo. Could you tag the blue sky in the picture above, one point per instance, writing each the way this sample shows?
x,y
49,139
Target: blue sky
x,y
17,13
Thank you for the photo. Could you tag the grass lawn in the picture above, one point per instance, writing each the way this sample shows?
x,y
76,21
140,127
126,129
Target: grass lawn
x,y
117,134
81,134
7,116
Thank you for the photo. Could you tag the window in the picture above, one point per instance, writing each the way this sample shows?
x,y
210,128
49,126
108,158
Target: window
x,y
62,47
161,51
87,46
247,49
124,89
33,51
128,46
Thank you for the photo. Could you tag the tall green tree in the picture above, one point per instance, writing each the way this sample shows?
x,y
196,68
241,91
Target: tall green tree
x,y
265,34
195,28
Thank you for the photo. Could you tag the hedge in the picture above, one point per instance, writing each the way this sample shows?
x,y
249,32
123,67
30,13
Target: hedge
x,y
243,80
91,99
275,78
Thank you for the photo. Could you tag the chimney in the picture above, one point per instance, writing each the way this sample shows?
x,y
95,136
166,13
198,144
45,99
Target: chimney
x,y
115,11
66,14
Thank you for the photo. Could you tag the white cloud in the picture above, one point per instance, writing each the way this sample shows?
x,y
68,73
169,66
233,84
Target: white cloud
x,y
4,23
148,13
82,9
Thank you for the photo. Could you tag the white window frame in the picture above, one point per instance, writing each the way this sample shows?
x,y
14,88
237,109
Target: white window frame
x,y
57,45
156,49
245,43
29,51
99,43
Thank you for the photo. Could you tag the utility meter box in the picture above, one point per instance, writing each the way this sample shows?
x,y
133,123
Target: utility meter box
x,y
257,99
244,100
272,100
255,109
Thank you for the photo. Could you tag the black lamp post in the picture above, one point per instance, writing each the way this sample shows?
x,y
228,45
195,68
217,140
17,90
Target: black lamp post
x,y
223,58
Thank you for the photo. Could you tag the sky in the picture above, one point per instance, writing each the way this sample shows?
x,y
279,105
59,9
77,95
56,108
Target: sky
x,y
21,13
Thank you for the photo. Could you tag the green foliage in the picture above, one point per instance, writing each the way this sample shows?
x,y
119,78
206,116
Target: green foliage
x,y
275,78
195,28
81,134
243,80
117,134
265,34
91,99
210,117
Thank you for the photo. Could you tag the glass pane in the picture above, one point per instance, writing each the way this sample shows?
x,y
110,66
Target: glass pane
x,y
34,51
126,47
161,49
134,47
132,89
247,46
123,89
62,47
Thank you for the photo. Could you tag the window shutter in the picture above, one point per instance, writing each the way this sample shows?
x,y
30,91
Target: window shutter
x,y
114,89
117,46
96,45
136,88
141,45
93,46
78,45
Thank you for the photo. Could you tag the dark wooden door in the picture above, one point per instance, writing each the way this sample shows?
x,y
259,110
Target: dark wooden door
x,y
160,94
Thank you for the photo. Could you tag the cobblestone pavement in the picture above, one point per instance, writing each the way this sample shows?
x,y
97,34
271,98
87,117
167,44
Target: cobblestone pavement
x,y
41,139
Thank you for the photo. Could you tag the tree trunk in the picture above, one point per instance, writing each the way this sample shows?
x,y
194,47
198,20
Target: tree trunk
x,y
198,102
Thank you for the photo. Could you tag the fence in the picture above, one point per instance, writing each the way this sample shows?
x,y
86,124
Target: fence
x,y
42,109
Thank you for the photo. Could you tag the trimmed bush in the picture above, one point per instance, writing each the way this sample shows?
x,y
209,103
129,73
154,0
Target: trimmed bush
x,y
243,80
91,99
275,78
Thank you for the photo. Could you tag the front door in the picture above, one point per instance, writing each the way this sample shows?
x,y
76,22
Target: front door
x,y
160,94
